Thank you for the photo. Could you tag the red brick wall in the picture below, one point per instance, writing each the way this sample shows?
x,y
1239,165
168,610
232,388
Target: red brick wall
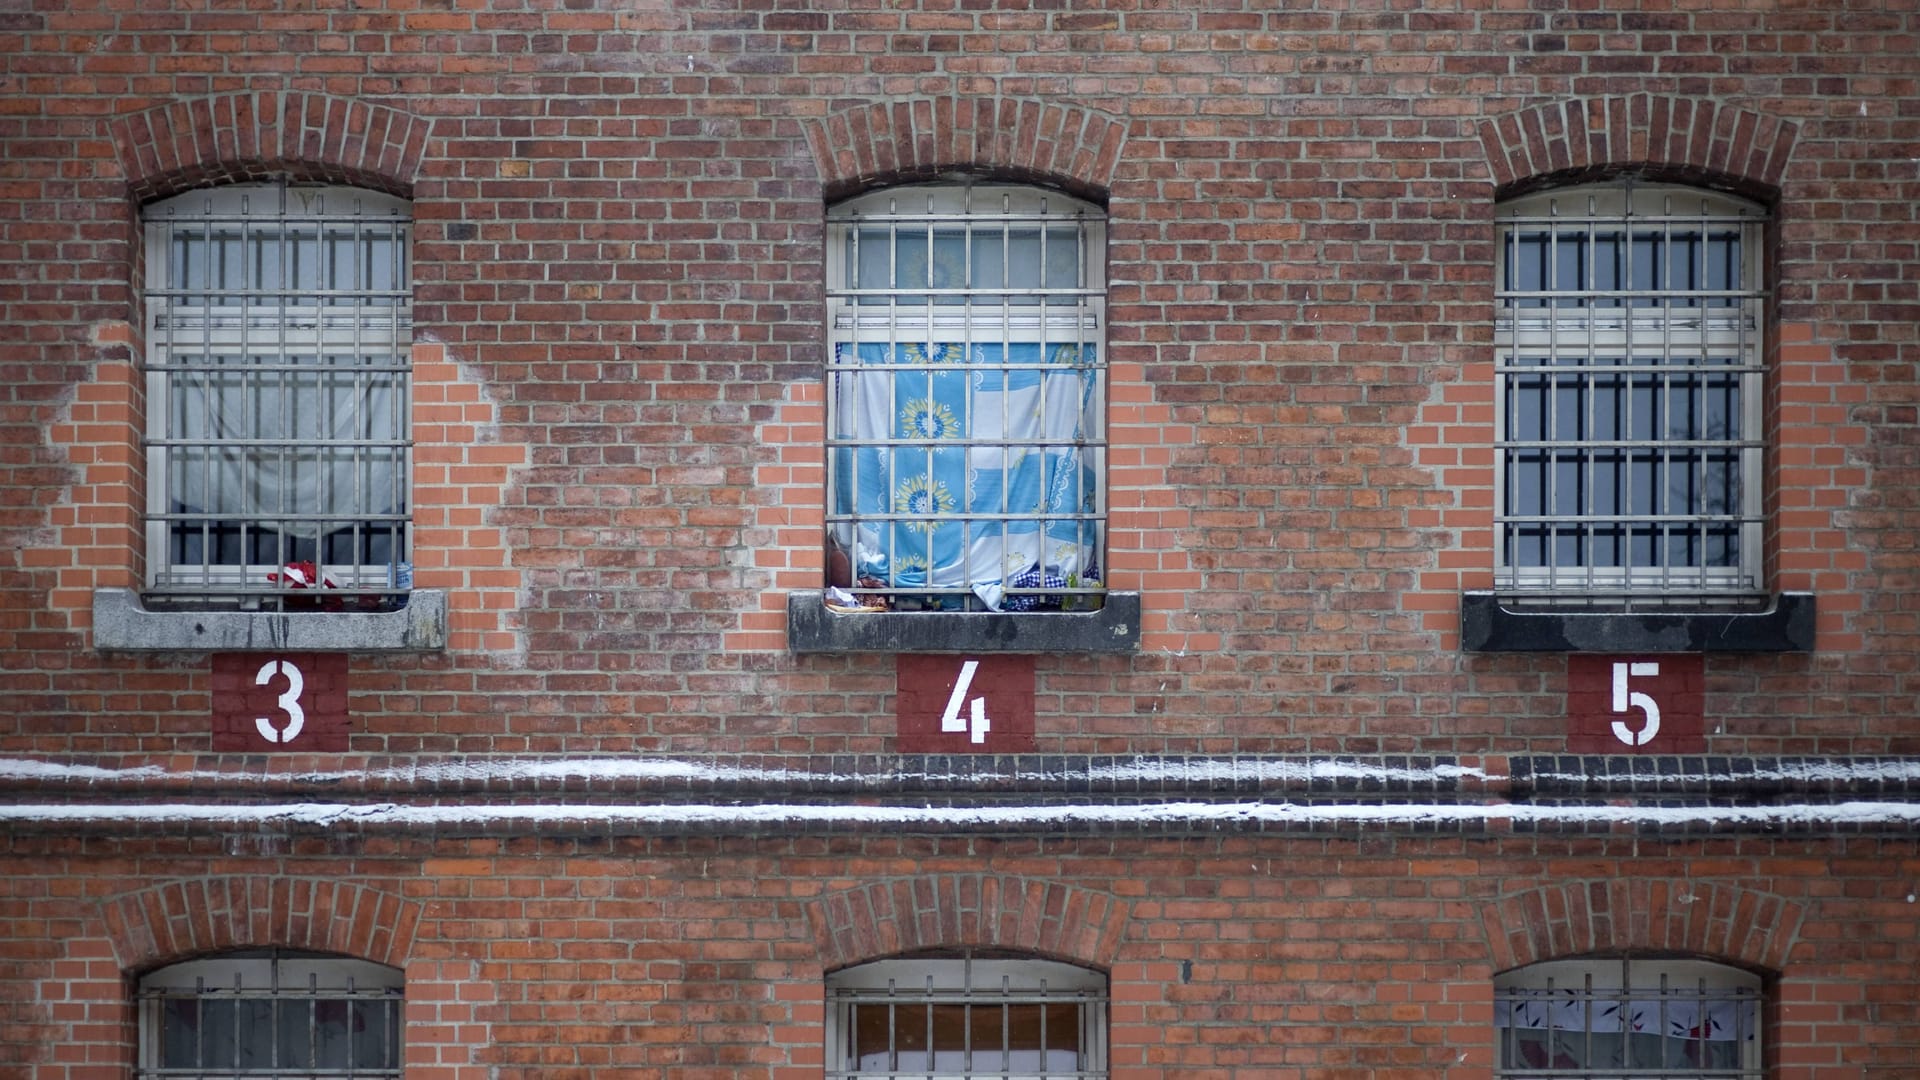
x,y
1231,956
619,247
618,409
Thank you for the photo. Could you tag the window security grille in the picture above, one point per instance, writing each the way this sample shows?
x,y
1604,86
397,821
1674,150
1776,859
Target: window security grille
x,y
1617,1019
966,404
1628,365
251,1016
966,1017
278,326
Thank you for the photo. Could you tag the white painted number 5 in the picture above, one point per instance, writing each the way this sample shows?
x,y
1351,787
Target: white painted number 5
x,y
951,720
1623,699
289,702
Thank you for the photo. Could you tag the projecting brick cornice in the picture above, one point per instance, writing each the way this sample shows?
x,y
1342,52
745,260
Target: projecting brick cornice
x,y
203,915
864,145
258,136
1742,926
1675,138
952,911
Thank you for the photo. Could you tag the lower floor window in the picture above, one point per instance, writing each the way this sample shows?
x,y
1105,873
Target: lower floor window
x,y
966,1017
258,1014
1614,1018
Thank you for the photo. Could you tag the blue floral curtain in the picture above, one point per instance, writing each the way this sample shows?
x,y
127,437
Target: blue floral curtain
x,y
979,452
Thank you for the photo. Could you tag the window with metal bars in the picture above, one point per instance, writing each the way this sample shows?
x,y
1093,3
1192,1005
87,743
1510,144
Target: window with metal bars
x,y
1628,364
966,399
1620,1018
281,1014
969,1016
278,323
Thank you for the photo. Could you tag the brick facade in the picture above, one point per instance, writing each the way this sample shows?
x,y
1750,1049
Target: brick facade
x,y
617,828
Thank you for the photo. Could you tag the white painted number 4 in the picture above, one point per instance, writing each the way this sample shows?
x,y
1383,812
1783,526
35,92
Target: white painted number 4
x,y
951,720
1623,699
289,702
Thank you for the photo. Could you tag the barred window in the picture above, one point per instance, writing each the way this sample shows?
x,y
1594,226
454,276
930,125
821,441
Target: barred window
x,y
1016,1019
271,1013
1611,1019
1628,364
966,399
278,326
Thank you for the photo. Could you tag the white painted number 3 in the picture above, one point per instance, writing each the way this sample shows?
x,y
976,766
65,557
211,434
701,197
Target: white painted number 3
x,y
289,702
1623,699
951,720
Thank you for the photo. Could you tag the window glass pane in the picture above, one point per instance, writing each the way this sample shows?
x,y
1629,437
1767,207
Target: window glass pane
x,y
219,1031
1610,1020
374,1026
269,424
871,1034
295,1028
966,456
179,1032
332,1032
331,1018
963,1018
1627,444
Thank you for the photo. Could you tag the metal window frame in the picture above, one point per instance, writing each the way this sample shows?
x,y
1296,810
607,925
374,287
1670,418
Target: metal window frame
x,y
968,980
1000,314
1666,333
271,975
188,331
1624,981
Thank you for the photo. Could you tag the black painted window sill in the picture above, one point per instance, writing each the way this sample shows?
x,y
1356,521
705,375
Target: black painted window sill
x,y
812,627
1488,625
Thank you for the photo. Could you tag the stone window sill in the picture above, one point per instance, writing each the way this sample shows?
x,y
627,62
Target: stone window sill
x,y
1784,625
122,624
814,628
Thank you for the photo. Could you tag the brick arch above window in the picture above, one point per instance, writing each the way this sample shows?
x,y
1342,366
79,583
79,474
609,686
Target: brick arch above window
x,y
1739,925
167,922
230,138
955,911
1680,139
868,145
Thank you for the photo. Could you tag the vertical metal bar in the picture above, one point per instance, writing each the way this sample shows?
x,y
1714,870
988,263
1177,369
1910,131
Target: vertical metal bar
x,y
845,274
925,449
926,1008
1045,1043
210,414
1550,280
1503,395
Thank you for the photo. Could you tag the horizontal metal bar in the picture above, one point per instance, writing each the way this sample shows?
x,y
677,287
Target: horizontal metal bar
x,y
1597,218
287,290
1571,366
1576,526
932,519
968,220
316,443
327,361
914,995
378,524
1676,446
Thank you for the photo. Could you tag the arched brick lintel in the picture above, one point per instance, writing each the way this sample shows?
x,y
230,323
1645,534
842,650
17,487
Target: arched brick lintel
x,y
867,145
258,136
951,911
1743,926
1679,139
179,919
